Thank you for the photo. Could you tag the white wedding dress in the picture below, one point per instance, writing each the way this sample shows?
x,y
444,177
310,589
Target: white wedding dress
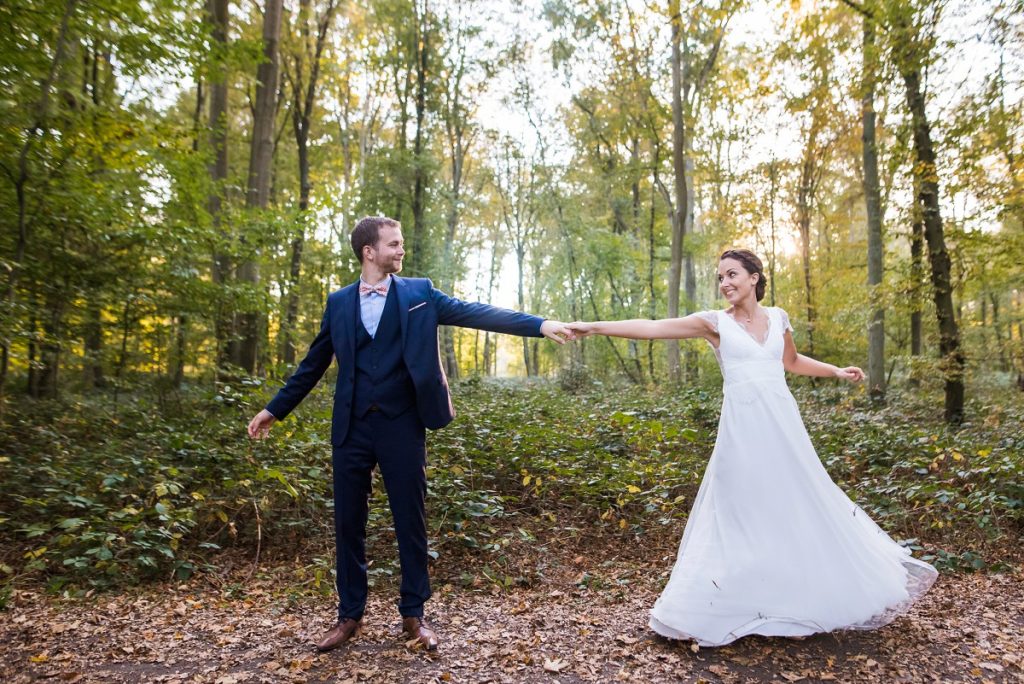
x,y
772,546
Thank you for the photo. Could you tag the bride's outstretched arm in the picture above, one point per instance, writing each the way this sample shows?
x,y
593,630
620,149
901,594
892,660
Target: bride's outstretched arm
x,y
642,329
805,365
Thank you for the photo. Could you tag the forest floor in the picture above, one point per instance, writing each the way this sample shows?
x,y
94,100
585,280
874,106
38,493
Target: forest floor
x,y
584,622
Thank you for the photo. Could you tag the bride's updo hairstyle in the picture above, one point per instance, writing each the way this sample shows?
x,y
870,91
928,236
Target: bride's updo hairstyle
x,y
751,264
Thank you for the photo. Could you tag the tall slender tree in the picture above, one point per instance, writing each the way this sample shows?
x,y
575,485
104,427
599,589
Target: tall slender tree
x,y
218,17
873,207
691,70
259,177
302,73
911,42
22,174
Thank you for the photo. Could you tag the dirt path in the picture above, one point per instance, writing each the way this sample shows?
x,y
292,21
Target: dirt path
x,y
969,628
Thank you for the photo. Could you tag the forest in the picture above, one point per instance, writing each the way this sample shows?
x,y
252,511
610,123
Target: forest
x,y
178,183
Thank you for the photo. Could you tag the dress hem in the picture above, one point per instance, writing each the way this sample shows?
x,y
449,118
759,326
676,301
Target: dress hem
x,y
919,581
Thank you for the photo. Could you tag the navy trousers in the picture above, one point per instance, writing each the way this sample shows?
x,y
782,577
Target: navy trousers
x,y
398,446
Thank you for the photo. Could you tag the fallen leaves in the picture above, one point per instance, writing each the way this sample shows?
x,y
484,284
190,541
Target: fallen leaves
x,y
555,665
969,626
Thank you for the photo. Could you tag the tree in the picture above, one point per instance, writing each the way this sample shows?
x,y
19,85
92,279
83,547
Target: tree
x,y
463,82
910,52
910,48
873,206
516,183
690,72
257,195
218,18
302,73
21,173
423,42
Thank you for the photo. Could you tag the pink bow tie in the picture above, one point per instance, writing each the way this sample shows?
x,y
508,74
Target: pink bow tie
x,y
382,290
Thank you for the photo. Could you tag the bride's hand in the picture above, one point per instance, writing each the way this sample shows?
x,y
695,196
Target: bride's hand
x,y
850,373
580,328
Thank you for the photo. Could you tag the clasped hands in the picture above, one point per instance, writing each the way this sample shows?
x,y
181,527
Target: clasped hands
x,y
565,332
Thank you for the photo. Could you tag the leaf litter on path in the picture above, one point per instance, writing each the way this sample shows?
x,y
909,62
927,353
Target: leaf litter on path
x,y
968,628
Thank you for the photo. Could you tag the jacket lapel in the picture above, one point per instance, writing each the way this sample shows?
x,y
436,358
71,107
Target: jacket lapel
x,y
350,315
402,294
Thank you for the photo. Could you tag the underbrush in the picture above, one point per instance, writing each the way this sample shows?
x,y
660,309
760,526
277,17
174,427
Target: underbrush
x,y
96,496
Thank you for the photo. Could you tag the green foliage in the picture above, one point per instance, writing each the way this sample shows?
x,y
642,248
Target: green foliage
x,y
148,489
602,460
964,486
98,496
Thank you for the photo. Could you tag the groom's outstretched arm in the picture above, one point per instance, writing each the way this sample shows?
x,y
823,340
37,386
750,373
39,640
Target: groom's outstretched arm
x,y
304,379
452,311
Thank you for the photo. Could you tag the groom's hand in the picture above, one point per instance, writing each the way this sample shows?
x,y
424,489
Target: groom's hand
x,y
260,425
557,331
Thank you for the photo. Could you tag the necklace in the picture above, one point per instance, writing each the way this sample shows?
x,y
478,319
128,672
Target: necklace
x,y
750,318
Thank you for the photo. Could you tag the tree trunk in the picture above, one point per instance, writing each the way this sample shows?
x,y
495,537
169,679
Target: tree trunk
x,y
916,274
221,268
300,122
773,177
122,359
303,102
652,311
873,204
32,384
291,313
491,280
450,358
942,292
689,274
178,359
521,294
402,94
419,228
679,166
455,128
35,132
805,198
176,371
93,344
50,348
260,172
1004,363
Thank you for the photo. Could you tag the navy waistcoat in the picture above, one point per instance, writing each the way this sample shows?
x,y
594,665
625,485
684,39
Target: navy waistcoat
x,y
381,378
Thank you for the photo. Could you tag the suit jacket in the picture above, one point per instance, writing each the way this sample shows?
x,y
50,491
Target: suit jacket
x,y
421,309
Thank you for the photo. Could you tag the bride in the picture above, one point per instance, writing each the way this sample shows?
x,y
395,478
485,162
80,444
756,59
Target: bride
x,y
772,546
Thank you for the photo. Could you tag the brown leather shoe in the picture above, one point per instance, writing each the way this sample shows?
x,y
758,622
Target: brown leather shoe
x,y
416,628
345,630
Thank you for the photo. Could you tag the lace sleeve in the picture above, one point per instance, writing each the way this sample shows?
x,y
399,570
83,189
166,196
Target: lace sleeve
x,y
786,325
709,316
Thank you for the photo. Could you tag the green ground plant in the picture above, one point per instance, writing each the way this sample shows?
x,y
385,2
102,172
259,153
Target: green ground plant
x,y
159,488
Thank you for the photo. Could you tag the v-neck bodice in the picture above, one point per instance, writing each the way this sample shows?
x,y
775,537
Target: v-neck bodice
x,y
743,359
767,330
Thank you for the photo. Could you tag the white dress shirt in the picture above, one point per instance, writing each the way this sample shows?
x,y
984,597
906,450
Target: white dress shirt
x,y
371,305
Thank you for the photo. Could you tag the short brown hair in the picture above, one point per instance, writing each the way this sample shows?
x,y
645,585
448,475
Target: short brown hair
x,y
751,264
367,232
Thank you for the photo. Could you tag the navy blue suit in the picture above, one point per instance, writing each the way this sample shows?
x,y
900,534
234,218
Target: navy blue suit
x,y
390,388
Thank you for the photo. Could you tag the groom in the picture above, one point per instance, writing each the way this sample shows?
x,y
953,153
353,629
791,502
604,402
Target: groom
x,y
390,387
